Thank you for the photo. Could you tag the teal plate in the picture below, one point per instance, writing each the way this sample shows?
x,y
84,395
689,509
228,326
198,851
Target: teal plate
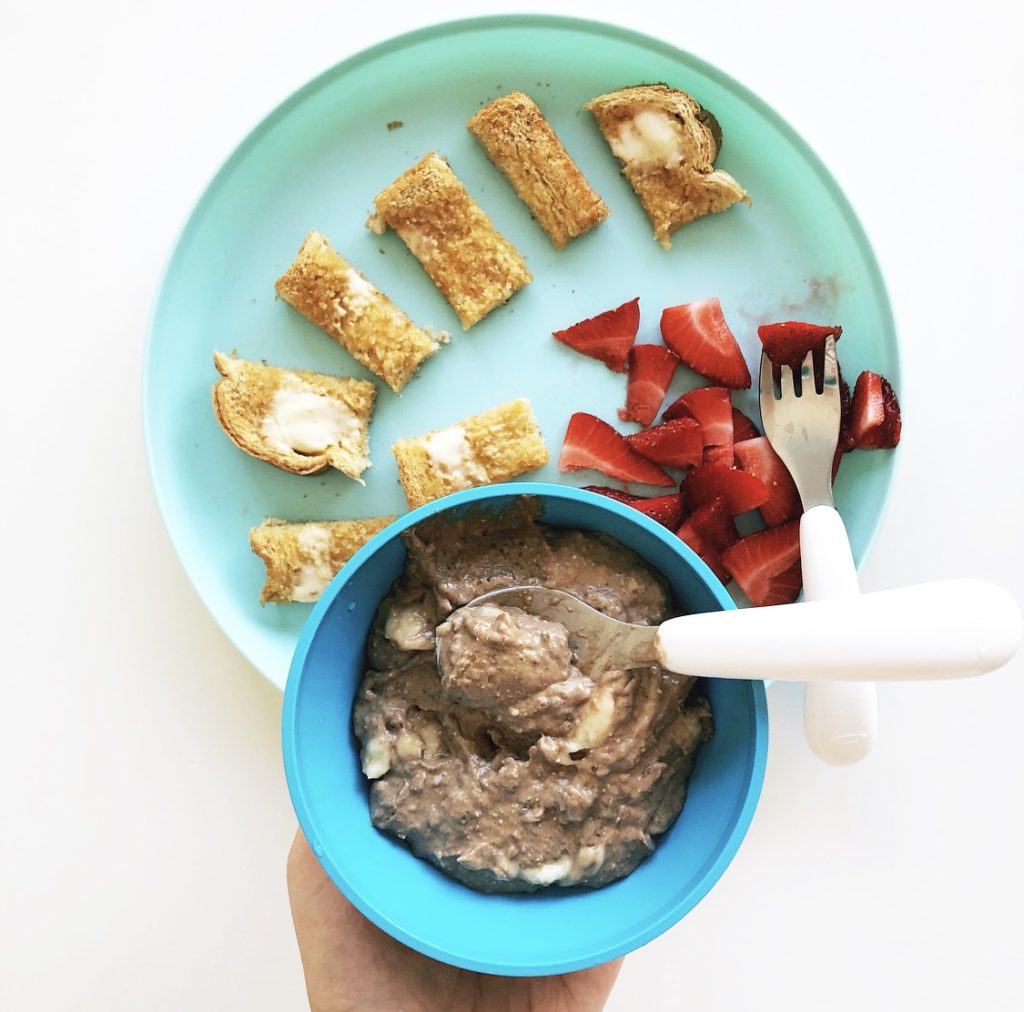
x,y
318,160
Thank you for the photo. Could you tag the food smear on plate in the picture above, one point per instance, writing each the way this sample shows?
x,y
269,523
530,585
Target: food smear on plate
x,y
326,289
488,447
302,558
500,760
523,145
474,267
299,421
667,144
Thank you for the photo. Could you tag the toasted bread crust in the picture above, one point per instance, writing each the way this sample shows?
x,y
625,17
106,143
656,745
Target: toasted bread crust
x,y
522,144
290,555
475,268
329,292
671,194
244,398
503,442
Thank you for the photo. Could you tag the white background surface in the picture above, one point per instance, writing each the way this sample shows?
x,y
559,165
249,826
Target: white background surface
x,y
145,815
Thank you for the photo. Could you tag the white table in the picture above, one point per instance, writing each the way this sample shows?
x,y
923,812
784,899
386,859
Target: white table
x,y
146,819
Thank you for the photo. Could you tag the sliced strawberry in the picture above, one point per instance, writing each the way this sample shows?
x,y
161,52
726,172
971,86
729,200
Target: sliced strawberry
x,y
651,368
719,455
788,343
766,565
711,407
756,456
875,413
607,336
678,443
702,546
698,334
590,442
613,493
742,427
666,509
741,491
713,522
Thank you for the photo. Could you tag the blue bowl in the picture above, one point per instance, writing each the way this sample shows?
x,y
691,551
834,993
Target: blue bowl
x,y
555,930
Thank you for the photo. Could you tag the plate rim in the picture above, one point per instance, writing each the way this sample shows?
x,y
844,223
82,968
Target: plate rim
x,y
395,43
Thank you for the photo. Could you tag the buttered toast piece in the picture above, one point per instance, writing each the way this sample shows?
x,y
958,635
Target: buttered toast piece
x,y
667,145
475,268
302,558
331,293
522,144
303,422
492,446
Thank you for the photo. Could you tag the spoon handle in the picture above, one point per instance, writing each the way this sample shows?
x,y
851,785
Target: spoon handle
x,y
947,629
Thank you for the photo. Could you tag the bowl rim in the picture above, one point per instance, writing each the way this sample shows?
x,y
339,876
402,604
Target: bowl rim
x,y
712,871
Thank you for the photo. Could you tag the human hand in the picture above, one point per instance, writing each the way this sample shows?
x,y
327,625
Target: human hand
x,y
350,964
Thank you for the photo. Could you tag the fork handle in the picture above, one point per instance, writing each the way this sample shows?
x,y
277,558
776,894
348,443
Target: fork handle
x,y
840,718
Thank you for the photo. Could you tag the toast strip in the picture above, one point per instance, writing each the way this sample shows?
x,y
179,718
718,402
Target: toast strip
x,y
489,447
475,268
302,558
331,293
522,144
667,145
299,421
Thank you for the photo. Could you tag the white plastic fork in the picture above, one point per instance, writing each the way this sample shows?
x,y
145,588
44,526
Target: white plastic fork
x,y
840,718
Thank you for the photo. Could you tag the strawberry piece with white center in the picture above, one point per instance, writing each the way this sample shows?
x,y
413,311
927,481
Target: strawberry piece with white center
x,y
607,336
651,368
702,545
788,343
766,565
756,456
874,414
591,442
698,334
741,491
678,443
712,409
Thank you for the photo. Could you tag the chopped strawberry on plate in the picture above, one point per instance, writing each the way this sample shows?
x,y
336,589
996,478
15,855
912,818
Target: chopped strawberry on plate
x,y
607,336
742,427
666,509
702,545
677,443
756,456
712,409
613,493
741,491
788,343
766,565
651,368
591,442
709,530
698,334
874,414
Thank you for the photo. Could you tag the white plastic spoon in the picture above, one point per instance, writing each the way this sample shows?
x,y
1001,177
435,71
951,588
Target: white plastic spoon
x,y
948,629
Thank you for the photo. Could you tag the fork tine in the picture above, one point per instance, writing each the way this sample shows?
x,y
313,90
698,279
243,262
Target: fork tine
x,y
766,384
831,363
807,384
787,383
